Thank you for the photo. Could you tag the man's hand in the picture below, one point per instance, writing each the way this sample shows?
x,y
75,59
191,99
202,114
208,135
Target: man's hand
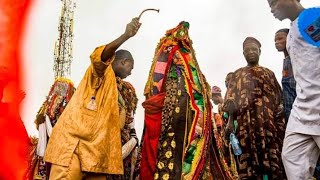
x,y
229,129
132,28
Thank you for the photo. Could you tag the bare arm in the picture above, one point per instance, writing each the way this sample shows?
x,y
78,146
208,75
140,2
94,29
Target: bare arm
x,y
131,30
230,106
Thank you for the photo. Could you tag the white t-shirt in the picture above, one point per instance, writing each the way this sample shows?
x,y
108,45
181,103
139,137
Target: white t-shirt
x,y
305,59
215,108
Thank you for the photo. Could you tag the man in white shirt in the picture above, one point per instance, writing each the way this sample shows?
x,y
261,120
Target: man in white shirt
x,y
301,146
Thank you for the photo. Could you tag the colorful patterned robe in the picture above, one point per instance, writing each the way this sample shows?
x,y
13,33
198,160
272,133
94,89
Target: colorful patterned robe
x,y
257,98
178,139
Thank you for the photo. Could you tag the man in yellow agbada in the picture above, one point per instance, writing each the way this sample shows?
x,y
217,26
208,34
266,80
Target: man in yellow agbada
x,y
87,142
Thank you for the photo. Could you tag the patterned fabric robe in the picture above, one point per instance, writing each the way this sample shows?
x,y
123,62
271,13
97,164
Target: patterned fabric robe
x,y
127,107
90,122
178,137
257,98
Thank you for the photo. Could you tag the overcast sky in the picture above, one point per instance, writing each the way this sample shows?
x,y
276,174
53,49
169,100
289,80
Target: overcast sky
x,y
217,29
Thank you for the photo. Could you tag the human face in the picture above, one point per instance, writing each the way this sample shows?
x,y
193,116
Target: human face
x,y
216,98
280,8
251,52
280,41
125,68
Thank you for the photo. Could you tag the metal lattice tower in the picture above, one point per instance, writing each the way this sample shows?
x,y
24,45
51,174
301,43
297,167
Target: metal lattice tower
x,y
63,46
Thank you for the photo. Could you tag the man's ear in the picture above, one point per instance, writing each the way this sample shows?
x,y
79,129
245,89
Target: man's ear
x,y
126,61
123,61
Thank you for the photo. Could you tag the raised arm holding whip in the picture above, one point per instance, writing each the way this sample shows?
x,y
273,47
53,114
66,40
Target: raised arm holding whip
x,y
95,134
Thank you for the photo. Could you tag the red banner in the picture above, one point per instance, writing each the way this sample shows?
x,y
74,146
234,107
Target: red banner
x,y
13,135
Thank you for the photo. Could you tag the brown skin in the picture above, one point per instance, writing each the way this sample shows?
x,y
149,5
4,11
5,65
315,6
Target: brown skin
x,y
280,41
122,67
251,52
285,9
217,99
228,78
229,128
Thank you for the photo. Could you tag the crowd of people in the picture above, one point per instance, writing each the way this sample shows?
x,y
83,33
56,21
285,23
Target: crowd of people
x,y
261,130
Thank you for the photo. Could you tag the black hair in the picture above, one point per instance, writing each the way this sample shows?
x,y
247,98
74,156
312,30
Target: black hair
x,y
285,30
123,54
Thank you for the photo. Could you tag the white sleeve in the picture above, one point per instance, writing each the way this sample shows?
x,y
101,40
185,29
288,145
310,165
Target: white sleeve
x,y
42,142
48,126
128,147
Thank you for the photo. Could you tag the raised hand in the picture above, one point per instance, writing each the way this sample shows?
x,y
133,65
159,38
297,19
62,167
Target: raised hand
x,y
132,28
